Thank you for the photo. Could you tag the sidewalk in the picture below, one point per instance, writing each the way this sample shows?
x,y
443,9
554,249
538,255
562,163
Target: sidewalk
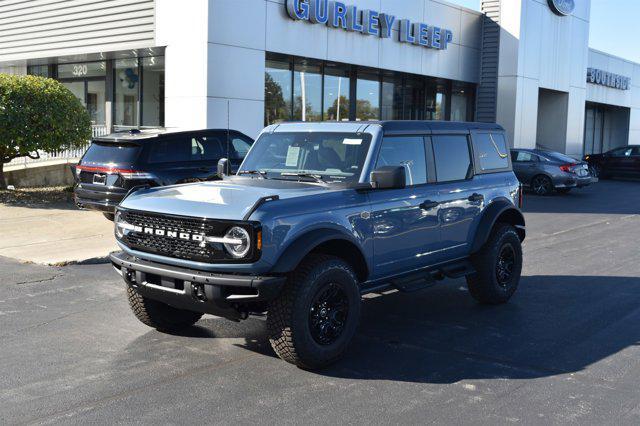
x,y
54,234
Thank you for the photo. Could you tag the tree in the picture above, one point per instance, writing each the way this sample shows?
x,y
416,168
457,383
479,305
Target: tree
x,y
332,111
275,106
38,113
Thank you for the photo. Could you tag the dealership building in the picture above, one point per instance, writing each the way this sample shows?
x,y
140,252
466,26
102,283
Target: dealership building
x,y
197,64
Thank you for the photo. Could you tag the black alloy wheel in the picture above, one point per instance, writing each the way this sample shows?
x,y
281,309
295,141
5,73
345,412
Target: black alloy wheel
x,y
505,264
328,314
541,185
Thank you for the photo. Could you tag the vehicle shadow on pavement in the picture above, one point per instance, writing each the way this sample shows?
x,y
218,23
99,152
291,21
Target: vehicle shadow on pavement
x,y
604,197
554,325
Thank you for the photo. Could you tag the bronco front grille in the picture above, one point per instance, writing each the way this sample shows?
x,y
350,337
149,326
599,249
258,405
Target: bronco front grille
x,y
186,249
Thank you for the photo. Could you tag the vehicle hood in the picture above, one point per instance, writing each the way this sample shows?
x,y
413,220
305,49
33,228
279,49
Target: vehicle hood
x,y
229,199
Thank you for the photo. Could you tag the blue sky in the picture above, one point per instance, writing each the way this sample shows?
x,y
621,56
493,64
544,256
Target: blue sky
x,y
614,26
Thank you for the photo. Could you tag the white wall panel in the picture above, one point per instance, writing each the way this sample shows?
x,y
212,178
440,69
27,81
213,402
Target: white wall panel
x,y
45,28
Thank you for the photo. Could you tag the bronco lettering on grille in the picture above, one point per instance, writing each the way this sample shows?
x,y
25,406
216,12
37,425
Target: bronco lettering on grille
x,y
171,234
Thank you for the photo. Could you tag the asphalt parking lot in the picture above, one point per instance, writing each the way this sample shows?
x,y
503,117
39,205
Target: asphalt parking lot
x,y
564,350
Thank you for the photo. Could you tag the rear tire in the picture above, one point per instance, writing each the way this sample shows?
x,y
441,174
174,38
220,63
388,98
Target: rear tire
x,y
313,320
498,267
541,185
158,315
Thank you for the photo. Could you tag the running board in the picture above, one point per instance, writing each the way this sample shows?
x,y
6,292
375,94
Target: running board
x,y
424,279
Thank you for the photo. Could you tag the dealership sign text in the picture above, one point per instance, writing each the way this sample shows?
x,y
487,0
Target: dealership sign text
x,y
609,79
336,14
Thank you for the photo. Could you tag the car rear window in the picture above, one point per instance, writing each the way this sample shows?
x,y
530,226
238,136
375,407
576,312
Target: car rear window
x,y
107,153
560,157
492,151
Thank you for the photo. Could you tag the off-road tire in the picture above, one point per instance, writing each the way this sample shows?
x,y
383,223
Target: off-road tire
x,y
288,321
159,315
484,285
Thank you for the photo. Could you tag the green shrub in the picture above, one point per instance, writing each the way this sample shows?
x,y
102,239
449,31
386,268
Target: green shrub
x,y
38,113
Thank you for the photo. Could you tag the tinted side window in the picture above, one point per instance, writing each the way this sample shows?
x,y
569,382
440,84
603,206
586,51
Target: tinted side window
x,y
406,151
453,161
171,150
213,147
240,148
491,150
523,157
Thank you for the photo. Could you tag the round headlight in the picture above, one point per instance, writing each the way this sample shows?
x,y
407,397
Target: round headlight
x,y
239,242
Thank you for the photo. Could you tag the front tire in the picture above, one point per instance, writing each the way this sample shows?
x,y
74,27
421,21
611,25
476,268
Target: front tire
x,y
313,320
498,267
158,315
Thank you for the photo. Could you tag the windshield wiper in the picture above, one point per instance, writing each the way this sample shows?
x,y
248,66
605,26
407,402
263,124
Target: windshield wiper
x,y
260,173
317,178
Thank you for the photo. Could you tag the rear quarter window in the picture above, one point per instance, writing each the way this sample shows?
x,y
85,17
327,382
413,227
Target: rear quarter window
x,y
491,151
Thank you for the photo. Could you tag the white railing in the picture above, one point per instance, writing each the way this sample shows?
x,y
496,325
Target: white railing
x,y
67,154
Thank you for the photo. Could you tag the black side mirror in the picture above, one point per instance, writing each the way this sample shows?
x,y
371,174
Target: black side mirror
x,y
224,168
389,177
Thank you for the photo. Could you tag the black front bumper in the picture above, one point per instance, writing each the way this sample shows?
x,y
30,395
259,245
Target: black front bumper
x,y
199,291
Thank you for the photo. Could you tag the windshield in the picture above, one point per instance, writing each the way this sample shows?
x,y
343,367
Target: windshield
x,y
330,157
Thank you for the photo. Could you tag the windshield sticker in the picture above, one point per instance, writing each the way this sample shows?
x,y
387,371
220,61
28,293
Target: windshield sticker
x,y
352,141
293,153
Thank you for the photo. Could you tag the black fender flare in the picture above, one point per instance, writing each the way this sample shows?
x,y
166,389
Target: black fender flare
x,y
495,210
306,243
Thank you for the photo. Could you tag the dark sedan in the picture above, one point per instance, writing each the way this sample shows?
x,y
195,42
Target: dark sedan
x,y
545,171
624,161
116,163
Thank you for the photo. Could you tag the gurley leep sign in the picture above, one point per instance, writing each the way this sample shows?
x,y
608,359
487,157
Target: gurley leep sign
x,y
336,14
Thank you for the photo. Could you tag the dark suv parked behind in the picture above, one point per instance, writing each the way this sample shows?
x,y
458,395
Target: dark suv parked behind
x,y
116,163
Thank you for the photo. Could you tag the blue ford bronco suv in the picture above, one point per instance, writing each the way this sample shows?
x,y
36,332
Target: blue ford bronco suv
x,y
318,215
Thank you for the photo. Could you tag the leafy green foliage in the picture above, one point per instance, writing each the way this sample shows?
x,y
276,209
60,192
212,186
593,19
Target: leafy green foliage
x,y
39,113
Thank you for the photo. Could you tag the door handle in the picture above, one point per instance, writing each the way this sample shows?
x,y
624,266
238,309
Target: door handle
x,y
428,205
476,198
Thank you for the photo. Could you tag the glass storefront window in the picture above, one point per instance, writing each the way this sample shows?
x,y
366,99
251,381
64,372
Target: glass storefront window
x,y
277,91
307,90
39,70
152,91
437,102
368,96
95,101
313,90
82,70
461,102
336,93
392,107
414,99
126,97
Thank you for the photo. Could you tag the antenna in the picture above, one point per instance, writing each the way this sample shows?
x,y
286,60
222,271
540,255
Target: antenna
x,y
228,124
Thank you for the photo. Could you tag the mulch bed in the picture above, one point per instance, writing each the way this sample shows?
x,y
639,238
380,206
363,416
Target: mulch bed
x,y
37,196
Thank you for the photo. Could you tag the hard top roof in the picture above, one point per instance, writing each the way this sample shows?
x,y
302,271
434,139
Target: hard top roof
x,y
136,135
389,127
